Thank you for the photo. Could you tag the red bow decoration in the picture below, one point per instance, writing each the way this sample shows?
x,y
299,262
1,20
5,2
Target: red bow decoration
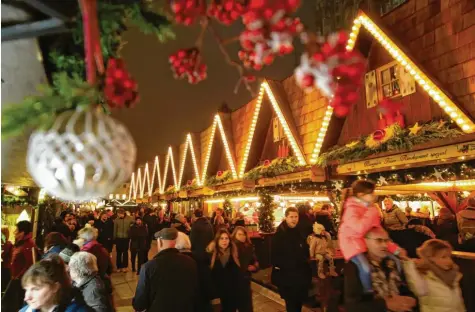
x,y
390,113
220,173
266,163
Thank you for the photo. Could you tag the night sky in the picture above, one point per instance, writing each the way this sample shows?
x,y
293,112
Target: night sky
x,y
170,108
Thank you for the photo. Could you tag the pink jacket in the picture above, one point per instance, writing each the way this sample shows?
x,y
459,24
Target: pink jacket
x,y
357,220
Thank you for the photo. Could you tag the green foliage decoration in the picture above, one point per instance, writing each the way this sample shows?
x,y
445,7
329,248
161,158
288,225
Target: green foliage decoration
x,y
69,89
402,140
276,167
215,179
266,212
228,207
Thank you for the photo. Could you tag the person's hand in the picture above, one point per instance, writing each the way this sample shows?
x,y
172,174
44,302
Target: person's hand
x,y
400,303
251,268
402,253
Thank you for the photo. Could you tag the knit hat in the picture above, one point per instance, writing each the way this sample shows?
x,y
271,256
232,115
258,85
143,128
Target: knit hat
x,y
167,234
67,252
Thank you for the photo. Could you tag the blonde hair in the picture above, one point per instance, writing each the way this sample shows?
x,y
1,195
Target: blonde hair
x,y
88,233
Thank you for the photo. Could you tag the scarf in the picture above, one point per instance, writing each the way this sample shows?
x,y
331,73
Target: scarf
x,y
385,279
448,277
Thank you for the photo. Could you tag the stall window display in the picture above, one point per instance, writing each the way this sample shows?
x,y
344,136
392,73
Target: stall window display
x,y
420,209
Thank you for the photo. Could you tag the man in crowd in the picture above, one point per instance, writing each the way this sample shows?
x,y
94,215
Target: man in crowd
x,y
291,271
62,226
168,275
394,218
201,235
151,221
388,293
105,226
121,237
466,226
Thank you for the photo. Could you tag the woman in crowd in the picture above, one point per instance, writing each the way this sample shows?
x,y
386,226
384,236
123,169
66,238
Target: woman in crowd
x,y
89,235
225,270
54,243
435,278
249,264
48,288
138,243
83,271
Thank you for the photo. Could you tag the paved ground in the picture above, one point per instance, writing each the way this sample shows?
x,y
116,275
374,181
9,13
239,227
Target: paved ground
x,y
126,283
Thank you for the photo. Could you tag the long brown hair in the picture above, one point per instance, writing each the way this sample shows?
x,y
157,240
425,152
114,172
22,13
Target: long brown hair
x,y
215,251
50,271
244,230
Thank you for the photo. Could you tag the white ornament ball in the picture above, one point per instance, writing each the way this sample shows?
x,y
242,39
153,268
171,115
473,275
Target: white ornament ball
x,y
85,154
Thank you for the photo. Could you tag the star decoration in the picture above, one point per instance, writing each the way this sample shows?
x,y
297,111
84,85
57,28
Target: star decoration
x,y
382,180
338,185
438,175
352,144
441,124
293,189
416,128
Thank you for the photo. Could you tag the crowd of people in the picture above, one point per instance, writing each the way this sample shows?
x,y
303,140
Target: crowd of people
x,y
205,264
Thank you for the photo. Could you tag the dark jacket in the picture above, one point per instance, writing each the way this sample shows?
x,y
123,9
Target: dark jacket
x,y
247,256
138,237
201,235
167,283
63,228
95,294
325,219
290,256
226,281
106,231
152,224
305,224
355,298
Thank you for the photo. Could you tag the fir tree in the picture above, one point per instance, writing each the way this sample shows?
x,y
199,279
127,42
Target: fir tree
x,y
266,212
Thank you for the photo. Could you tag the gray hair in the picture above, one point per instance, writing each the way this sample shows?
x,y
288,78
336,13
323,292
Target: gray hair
x,y
88,233
83,264
182,241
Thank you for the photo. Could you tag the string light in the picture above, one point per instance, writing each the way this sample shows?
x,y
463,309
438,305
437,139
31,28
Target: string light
x,y
301,198
321,134
189,146
457,115
265,88
217,122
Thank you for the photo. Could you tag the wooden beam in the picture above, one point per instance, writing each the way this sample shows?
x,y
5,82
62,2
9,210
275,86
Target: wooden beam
x,y
34,29
46,9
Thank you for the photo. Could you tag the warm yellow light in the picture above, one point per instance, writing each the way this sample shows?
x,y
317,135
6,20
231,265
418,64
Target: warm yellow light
x,y
321,135
422,79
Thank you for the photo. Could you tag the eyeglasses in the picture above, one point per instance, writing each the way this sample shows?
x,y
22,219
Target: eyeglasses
x,y
380,240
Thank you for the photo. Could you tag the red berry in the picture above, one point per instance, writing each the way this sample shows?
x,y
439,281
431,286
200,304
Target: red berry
x,y
341,111
268,59
308,81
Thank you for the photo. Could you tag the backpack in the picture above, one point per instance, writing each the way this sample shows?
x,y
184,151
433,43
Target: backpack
x,y
466,224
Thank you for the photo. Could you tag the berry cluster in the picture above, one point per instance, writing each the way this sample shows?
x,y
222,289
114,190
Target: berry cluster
x,y
187,11
120,89
336,72
269,31
227,11
187,63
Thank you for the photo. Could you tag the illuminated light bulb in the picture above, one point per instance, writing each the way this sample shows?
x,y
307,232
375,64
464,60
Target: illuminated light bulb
x,y
412,72
460,121
453,115
437,98
465,127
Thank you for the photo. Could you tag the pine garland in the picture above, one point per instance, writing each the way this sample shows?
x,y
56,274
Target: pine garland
x,y
69,89
277,167
402,140
227,207
266,212
215,179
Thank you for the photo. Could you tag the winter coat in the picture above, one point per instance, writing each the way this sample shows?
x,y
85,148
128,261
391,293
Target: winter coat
x,y
246,255
434,295
55,250
103,259
22,256
122,226
325,218
138,237
201,235
357,220
74,306
226,279
95,294
167,283
305,224
106,231
319,244
291,271
7,249
394,219
152,223
61,227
